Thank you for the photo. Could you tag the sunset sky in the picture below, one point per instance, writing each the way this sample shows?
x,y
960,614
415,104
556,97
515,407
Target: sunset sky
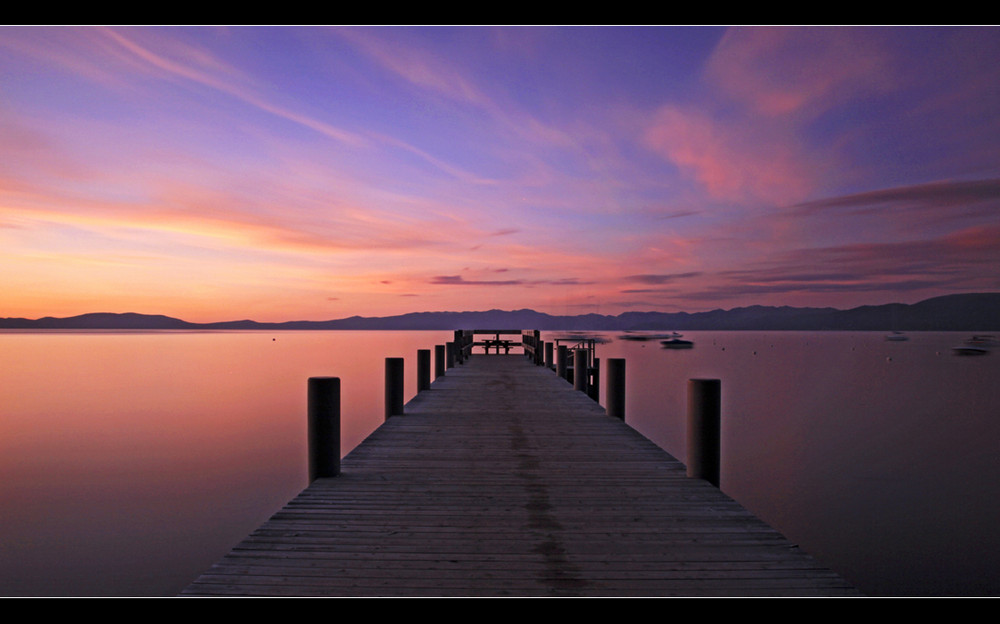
x,y
278,173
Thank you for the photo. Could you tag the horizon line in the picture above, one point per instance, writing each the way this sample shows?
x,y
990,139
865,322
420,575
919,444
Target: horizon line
x,y
510,311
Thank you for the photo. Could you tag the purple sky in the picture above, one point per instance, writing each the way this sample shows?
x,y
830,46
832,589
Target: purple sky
x,y
312,173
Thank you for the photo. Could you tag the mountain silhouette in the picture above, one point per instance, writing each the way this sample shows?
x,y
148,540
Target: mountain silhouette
x,y
961,312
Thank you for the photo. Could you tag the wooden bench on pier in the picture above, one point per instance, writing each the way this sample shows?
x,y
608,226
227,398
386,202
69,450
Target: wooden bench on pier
x,y
496,344
467,337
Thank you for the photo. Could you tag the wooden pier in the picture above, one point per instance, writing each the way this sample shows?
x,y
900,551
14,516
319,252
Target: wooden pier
x,y
502,479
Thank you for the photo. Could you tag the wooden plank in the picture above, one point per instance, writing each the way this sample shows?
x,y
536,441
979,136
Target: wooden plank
x,y
501,480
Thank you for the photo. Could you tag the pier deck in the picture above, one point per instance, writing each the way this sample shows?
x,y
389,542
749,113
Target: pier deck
x,y
502,480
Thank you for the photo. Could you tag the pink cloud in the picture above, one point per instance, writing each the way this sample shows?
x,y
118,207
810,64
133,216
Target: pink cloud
x,y
785,71
750,144
732,162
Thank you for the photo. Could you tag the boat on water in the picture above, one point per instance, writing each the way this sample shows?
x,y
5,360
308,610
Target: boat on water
x,y
986,341
969,350
642,336
979,344
676,343
897,337
581,337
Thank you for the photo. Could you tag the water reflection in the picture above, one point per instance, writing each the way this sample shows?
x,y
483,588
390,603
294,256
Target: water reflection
x,y
132,461
877,456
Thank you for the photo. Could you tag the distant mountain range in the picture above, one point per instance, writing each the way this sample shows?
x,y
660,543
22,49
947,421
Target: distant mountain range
x,y
964,312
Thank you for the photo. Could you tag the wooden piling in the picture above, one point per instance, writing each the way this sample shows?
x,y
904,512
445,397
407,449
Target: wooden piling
x,y
703,434
324,427
439,361
595,381
393,386
459,346
538,347
580,369
423,369
561,364
548,354
615,391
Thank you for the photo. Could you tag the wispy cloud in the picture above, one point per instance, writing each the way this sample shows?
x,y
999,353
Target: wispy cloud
x,y
663,279
447,78
201,67
968,259
458,280
943,198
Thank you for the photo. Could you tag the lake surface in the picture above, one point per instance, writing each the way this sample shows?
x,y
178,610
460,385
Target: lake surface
x,y
131,461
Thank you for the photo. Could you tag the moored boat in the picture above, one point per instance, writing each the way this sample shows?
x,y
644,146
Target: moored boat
x,y
676,343
985,341
979,344
642,336
969,350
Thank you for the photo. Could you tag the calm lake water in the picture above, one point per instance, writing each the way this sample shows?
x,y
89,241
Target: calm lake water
x,y
131,461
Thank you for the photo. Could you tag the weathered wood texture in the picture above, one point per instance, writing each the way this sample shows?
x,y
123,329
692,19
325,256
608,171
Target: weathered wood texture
x,y
502,480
